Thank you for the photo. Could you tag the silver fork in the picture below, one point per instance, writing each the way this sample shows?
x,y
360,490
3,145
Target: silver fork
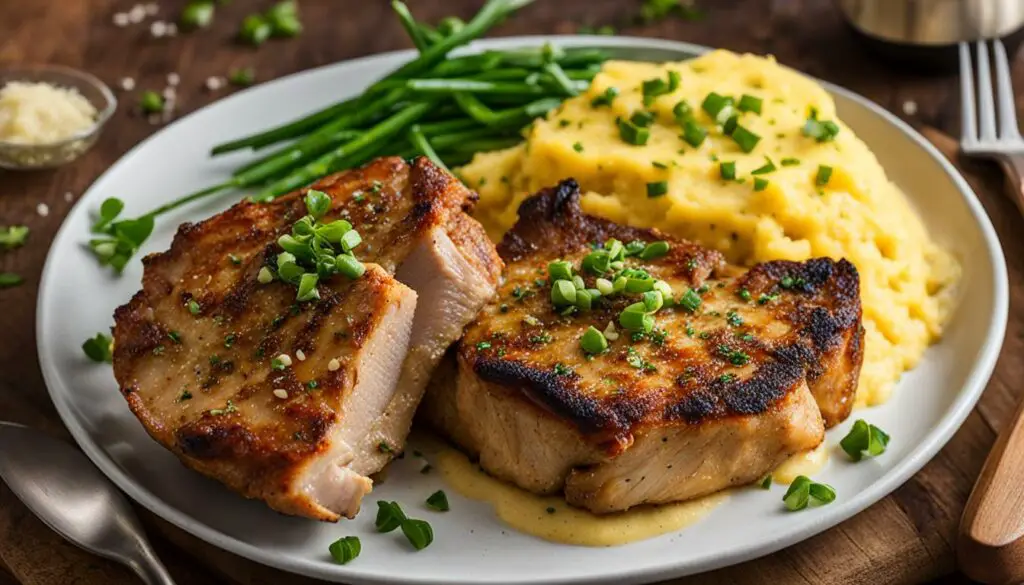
x,y
1001,142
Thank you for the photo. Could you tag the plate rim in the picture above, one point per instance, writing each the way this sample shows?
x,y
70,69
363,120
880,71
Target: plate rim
x,y
934,441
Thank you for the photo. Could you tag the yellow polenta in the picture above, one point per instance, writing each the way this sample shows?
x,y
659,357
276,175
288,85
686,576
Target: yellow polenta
x,y
858,214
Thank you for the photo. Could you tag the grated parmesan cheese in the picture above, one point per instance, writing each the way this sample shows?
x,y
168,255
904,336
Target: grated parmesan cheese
x,y
40,113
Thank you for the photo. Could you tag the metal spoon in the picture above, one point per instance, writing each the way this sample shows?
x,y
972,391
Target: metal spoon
x,y
63,488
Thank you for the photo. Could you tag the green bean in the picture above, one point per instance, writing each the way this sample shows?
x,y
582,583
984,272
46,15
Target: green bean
x,y
430,34
446,86
291,129
314,144
410,25
561,79
421,143
321,165
534,58
431,129
485,115
340,136
492,12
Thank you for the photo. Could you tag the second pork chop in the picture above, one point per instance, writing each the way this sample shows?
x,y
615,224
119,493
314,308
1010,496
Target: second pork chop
x,y
737,373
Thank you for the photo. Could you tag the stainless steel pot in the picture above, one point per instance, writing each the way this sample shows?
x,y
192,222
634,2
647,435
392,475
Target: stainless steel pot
x,y
933,22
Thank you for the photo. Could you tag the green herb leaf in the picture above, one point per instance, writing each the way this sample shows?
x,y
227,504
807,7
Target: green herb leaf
x,y
438,501
345,549
255,29
197,14
13,237
317,203
802,491
242,77
99,348
151,102
389,516
864,437
109,210
418,532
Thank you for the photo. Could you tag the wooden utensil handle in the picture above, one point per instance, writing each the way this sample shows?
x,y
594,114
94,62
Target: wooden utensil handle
x,y
990,545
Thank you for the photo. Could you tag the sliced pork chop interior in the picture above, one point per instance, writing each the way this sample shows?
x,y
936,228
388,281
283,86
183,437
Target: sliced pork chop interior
x,y
304,435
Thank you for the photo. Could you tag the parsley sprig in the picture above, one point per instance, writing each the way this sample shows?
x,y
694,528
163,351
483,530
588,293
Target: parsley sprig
x,y
315,250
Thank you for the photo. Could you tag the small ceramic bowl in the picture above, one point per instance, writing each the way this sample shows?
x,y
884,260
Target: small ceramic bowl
x,y
19,156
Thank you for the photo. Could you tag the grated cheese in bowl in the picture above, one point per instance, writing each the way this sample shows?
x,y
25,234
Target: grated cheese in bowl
x,y
42,113
50,115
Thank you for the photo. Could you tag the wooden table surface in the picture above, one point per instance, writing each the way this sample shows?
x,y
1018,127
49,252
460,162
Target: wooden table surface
x,y
906,538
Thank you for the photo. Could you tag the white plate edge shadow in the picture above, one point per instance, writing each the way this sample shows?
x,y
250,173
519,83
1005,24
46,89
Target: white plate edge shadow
x,y
896,476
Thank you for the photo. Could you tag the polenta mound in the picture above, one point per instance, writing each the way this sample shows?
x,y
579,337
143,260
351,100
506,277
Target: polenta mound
x,y
790,213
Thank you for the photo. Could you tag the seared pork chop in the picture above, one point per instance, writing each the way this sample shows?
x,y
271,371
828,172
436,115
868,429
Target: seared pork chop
x,y
298,403
742,371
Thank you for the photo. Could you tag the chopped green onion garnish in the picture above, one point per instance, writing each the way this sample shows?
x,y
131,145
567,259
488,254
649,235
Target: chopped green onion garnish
x,y
864,437
584,300
242,77
604,286
13,237
714,103
438,501
642,118
635,317
632,134
693,134
824,174
682,112
746,139
389,516
264,276
665,289
197,14
563,293
652,300
193,307
349,266
652,88
560,270
577,146
151,102
690,300
593,341
760,184
767,167
727,170
659,165
749,103
606,98
307,287
10,279
654,249
345,549
819,130
657,189
418,532
766,483
99,348
790,162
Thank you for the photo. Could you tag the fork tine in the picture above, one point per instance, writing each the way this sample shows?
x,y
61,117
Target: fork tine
x,y
1004,87
968,128
986,102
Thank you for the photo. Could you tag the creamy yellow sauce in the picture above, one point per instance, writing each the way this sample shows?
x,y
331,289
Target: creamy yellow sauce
x,y
805,463
552,519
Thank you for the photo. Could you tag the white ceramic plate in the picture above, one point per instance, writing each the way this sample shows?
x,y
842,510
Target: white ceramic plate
x,y
77,298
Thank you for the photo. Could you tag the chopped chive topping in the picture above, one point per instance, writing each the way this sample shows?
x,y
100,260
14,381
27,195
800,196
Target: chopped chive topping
x,y
764,169
345,549
193,307
760,184
744,294
693,134
560,270
659,165
483,345
563,293
690,300
766,483
657,188
642,118
746,139
174,336
824,174
790,162
438,501
578,147
749,103
653,88
715,104
561,369
682,112
606,98
12,237
632,134
864,437
727,170
734,356
593,341
654,250
99,348
822,131
636,317
802,491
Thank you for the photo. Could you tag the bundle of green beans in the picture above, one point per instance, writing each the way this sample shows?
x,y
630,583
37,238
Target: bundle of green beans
x,y
444,108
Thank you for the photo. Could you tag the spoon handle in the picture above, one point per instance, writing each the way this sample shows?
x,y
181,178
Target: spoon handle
x,y
149,568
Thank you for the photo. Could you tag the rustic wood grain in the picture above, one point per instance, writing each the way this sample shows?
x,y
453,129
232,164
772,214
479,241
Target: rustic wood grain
x,y
906,538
